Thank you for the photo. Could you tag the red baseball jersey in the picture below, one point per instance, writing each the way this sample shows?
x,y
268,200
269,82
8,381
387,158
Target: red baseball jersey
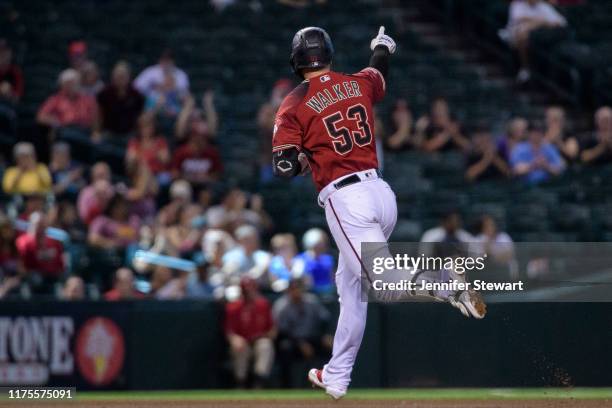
x,y
330,117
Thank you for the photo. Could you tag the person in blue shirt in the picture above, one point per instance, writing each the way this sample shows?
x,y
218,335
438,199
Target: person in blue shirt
x,y
316,261
282,265
535,160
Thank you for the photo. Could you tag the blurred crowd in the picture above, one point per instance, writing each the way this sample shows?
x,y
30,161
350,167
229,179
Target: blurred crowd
x,y
170,198
533,152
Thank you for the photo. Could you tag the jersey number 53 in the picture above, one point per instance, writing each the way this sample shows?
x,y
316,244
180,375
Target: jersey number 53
x,y
344,138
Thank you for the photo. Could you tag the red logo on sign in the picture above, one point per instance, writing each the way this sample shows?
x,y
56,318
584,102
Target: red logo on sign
x,y
100,350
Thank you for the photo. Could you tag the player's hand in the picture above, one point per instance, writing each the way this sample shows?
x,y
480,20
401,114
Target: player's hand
x,y
384,40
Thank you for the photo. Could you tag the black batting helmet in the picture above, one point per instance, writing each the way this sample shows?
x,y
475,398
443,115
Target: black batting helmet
x,y
311,48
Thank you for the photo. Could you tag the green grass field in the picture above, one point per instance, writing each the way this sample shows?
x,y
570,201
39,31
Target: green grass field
x,y
358,394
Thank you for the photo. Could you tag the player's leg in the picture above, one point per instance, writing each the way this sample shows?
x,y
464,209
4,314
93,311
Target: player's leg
x,y
240,363
352,219
469,302
349,331
263,355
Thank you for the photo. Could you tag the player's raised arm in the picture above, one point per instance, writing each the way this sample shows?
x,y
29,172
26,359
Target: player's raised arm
x,y
382,46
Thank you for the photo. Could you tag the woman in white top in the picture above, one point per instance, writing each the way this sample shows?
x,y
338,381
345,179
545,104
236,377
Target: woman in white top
x,y
524,17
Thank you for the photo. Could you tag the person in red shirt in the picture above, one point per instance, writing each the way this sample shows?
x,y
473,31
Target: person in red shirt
x,y
42,257
123,287
197,161
249,329
69,106
149,147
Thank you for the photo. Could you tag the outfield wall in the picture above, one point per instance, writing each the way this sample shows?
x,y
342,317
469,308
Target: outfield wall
x,y
152,344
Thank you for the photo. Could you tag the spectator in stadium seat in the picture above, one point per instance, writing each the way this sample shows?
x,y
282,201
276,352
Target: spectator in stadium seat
x,y
73,289
498,245
265,123
247,258
557,133
69,106
181,194
123,287
483,159
119,102
516,133
403,136
11,77
91,84
448,234
184,237
142,191
237,208
597,148
215,244
151,148
27,176
165,72
32,203
536,160
168,284
77,54
316,261
303,329
64,216
9,256
282,267
115,228
250,332
198,284
525,17
197,161
192,120
42,257
165,101
66,174
439,131
93,199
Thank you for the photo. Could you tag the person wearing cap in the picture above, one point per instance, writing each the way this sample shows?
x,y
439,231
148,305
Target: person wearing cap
x,y
535,160
77,54
69,106
27,176
249,330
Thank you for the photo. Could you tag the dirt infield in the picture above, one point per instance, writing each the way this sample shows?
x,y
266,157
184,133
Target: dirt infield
x,y
560,403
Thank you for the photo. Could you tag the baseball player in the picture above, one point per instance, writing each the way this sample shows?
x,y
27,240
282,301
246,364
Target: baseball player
x,y
326,126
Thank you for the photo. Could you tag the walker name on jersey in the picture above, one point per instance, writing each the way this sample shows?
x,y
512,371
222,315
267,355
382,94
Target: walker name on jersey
x,y
329,96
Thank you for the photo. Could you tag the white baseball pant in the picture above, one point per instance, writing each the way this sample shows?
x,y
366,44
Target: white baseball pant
x,y
361,212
